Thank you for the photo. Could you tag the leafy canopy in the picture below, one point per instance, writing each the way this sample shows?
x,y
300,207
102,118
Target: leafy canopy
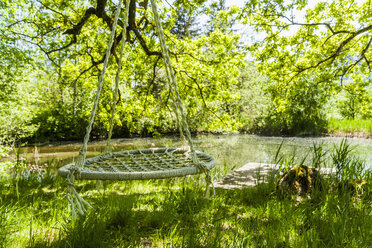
x,y
333,39
73,35
307,50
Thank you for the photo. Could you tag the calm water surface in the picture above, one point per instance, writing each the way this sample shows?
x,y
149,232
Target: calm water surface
x,y
231,151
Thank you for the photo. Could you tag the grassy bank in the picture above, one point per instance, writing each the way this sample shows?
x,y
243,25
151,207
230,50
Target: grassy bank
x,y
358,128
174,213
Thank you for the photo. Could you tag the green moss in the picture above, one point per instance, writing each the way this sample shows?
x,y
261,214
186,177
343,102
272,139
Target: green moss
x,y
300,180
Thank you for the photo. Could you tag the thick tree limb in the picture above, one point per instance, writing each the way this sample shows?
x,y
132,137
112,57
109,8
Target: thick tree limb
x,y
76,29
361,57
339,49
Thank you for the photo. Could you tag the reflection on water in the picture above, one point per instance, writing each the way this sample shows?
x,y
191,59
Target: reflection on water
x,y
231,151
235,151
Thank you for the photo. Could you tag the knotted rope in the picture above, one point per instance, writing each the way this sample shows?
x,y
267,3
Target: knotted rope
x,y
177,103
77,202
117,77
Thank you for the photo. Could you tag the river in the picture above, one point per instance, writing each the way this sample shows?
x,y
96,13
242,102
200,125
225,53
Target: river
x,y
231,151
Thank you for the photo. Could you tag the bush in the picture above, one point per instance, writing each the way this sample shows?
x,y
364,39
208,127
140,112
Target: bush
x,y
296,110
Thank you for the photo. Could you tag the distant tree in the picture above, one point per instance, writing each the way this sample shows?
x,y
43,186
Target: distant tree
x,y
221,17
186,25
16,93
355,101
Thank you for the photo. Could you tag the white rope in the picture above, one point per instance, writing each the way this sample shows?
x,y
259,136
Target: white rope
x,y
179,111
177,105
77,202
117,78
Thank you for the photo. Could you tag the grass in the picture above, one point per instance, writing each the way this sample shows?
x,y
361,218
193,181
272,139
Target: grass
x,y
174,213
359,127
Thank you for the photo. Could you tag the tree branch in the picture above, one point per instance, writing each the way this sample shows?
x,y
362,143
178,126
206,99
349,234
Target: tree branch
x,y
202,95
151,82
53,10
361,57
339,49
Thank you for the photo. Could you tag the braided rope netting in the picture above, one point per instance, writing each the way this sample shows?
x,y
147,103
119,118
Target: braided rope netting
x,y
157,163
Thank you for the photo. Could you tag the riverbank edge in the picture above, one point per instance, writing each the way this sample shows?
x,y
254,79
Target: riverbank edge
x,y
354,134
330,133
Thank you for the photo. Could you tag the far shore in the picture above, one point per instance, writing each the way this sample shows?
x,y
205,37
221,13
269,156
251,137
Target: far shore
x,y
356,134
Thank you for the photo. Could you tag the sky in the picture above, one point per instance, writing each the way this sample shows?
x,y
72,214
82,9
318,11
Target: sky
x,y
248,35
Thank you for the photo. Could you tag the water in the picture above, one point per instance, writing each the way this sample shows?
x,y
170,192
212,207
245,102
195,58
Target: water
x,y
231,151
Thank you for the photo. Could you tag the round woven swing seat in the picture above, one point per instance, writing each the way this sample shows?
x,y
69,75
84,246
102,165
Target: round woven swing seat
x,y
154,163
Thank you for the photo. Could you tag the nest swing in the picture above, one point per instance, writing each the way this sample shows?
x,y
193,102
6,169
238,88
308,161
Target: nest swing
x,y
140,164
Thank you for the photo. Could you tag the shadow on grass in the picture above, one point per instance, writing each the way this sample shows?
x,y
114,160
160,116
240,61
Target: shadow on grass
x,y
163,214
131,220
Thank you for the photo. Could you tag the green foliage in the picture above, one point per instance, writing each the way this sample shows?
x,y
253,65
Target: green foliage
x,y
296,108
300,62
253,101
207,67
15,116
185,24
319,155
332,40
16,94
353,127
304,58
347,165
57,122
87,231
355,102
221,17
6,213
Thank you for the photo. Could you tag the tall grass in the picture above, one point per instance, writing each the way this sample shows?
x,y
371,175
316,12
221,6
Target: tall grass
x,y
364,127
174,213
